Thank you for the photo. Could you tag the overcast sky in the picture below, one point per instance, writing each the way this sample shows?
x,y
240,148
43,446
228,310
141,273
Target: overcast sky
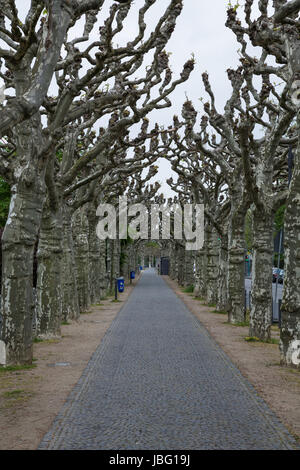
x,y
200,30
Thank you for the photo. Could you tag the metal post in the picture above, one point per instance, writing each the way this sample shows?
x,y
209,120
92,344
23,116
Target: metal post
x,y
116,289
279,313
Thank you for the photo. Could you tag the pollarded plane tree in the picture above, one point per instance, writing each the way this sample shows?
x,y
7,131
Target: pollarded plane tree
x,y
272,109
72,79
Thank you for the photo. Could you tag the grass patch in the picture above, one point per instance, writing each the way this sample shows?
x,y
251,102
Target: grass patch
x,y
272,341
116,300
255,339
65,323
86,313
221,312
188,289
293,371
13,393
242,323
251,339
16,368
50,340
38,340
212,304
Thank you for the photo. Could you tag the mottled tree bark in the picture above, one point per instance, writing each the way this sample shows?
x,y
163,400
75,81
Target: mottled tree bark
x,y
261,304
290,308
104,284
189,278
197,274
18,241
81,246
212,264
94,256
70,301
172,266
222,297
180,264
203,269
236,261
49,289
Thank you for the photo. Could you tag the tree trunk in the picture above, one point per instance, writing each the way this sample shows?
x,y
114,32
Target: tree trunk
x,y
212,264
104,284
94,257
203,269
290,307
222,297
49,292
236,264
81,245
70,301
180,264
18,241
197,274
189,277
261,305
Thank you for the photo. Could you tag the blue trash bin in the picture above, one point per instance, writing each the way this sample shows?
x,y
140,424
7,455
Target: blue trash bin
x,y
132,274
141,267
120,282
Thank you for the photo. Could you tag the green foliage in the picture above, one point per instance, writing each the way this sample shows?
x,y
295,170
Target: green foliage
x,y
189,289
254,339
235,7
4,201
13,393
152,244
59,155
16,368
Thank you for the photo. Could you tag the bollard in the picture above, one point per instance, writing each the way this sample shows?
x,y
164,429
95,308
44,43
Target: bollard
x,y
116,289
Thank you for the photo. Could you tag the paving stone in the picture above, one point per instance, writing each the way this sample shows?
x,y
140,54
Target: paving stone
x,y
159,381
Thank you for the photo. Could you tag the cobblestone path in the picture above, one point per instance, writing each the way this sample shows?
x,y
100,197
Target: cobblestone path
x,y
158,381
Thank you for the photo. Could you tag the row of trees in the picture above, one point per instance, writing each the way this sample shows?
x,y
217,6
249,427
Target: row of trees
x,y
240,160
64,153
67,147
